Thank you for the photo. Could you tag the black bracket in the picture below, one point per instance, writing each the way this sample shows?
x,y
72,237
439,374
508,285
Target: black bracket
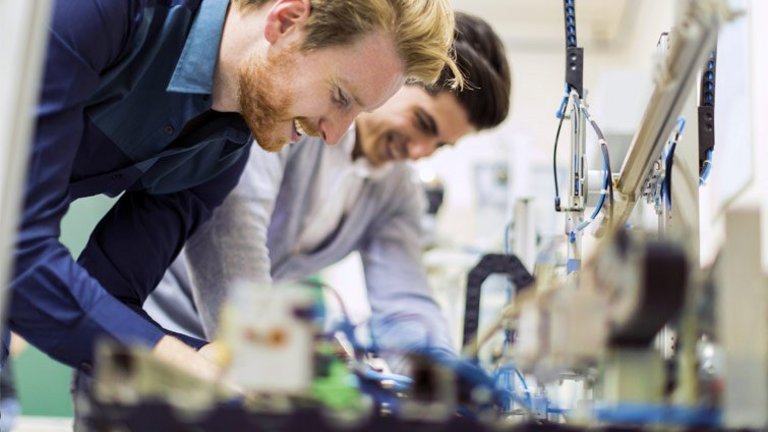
x,y
574,69
664,276
707,110
488,265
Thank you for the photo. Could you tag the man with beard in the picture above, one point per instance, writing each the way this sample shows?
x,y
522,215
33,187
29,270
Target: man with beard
x,y
157,100
320,203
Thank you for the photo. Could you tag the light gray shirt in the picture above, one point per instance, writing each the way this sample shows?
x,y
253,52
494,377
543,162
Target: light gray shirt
x,y
338,185
255,233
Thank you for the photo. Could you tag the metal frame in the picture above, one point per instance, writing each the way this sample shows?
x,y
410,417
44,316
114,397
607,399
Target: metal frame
x,y
23,30
690,43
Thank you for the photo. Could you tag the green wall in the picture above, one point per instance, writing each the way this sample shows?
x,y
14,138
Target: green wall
x,y
42,383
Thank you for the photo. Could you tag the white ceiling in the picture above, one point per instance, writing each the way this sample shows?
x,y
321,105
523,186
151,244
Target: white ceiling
x,y
538,24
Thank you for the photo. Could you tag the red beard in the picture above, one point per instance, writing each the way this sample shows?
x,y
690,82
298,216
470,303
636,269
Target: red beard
x,y
262,104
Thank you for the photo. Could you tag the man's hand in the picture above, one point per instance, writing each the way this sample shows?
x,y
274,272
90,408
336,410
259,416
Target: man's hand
x,y
177,353
218,353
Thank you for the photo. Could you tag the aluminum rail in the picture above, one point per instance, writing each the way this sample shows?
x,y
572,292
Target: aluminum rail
x,y
691,40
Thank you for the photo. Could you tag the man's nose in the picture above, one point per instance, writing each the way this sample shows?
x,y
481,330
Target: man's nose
x,y
422,147
333,130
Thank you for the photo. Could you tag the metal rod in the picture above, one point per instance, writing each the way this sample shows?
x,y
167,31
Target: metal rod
x,y
690,43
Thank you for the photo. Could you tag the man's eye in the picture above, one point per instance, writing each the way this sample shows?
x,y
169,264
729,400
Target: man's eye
x,y
341,99
421,124
425,123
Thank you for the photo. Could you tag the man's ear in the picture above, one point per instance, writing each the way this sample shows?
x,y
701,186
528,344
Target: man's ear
x,y
285,16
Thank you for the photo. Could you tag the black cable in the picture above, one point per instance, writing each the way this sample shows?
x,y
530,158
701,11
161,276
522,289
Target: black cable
x,y
669,162
574,55
668,173
336,295
569,8
554,163
606,156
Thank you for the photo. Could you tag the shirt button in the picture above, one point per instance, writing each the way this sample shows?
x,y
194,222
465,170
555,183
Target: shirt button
x,y
168,129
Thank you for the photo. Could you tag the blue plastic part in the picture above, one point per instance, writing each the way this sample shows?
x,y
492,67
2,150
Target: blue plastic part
x,y
504,383
643,414
707,168
572,265
402,382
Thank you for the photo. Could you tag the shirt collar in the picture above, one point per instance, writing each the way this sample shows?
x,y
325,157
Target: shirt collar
x,y
195,68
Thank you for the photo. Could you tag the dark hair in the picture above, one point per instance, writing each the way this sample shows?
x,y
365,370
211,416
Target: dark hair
x,y
482,59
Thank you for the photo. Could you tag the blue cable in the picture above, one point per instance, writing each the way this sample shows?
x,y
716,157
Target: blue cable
x,y
560,114
467,370
666,184
509,397
506,237
505,373
634,413
510,288
600,202
402,382
346,327
680,126
707,168
522,380
556,410
505,385
563,103
569,8
607,181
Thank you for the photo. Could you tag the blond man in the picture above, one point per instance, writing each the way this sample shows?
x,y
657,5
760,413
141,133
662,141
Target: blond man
x,y
157,101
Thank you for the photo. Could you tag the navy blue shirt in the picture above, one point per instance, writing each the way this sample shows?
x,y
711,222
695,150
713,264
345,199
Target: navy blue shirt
x,y
124,106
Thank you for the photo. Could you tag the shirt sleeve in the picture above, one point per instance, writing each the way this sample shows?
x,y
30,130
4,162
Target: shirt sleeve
x,y
232,246
136,241
405,316
56,304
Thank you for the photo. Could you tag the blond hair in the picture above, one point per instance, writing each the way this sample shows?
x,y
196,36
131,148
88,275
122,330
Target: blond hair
x,y
422,30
